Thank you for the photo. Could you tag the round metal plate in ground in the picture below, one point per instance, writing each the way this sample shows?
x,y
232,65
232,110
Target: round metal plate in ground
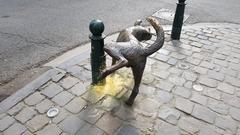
x,y
52,112
197,87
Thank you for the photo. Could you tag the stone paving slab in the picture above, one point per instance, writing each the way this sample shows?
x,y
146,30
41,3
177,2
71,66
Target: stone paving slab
x,y
191,87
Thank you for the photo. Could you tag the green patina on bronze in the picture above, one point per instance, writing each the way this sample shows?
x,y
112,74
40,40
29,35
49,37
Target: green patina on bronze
x,y
178,20
98,60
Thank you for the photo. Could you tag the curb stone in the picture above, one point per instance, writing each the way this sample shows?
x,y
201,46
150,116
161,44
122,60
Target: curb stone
x,y
26,90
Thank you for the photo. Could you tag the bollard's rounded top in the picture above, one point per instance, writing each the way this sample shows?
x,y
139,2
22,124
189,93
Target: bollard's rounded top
x,y
181,1
96,27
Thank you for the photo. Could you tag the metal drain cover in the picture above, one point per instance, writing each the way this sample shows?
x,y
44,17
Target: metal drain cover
x,y
52,112
167,14
197,87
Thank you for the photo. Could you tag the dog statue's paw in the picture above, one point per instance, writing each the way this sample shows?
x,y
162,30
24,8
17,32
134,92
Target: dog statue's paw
x,y
104,74
129,102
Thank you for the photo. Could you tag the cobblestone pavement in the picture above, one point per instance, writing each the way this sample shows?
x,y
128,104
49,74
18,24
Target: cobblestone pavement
x,y
190,87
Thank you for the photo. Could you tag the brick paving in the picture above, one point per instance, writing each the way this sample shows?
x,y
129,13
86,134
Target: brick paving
x,y
190,87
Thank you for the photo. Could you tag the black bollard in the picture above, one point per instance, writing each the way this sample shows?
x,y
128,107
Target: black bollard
x,y
98,59
178,20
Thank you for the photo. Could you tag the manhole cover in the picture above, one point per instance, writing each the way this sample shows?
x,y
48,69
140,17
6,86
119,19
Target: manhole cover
x,y
167,14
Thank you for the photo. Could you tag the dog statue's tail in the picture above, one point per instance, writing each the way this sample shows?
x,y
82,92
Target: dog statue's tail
x,y
148,50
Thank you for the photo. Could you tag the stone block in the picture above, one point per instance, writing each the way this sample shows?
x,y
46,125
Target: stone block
x,y
233,81
228,71
177,80
219,56
109,124
177,55
188,85
224,87
37,122
226,124
163,51
91,115
6,122
231,100
61,116
172,61
58,77
34,99
78,89
190,76
162,74
196,49
26,114
127,130
196,44
68,82
44,106
76,105
164,85
15,129
212,92
169,115
208,82
193,61
52,90
204,114
215,75
147,106
235,113
207,131
198,55
27,133
191,34
71,124
163,128
208,65
200,70
221,63
218,106
161,57
163,96
184,105
175,71
63,98
88,129
51,129
182,91
199,99
15,109
145,124
147,90
189,125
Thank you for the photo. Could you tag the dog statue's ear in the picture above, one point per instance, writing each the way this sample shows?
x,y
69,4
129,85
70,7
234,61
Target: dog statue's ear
x,y
138,22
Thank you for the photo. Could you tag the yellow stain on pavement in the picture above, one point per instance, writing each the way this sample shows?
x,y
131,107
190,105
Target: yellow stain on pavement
x,y
113,85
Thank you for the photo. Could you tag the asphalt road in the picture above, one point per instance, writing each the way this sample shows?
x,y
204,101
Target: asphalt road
x,y
34,31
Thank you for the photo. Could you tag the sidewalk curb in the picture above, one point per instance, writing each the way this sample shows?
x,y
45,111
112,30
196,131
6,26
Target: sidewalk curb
x,y
26,90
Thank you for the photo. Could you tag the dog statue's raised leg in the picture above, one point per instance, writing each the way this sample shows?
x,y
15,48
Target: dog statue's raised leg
x,y
121,62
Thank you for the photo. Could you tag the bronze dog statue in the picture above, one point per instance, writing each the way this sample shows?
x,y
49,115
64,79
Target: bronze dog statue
x,y
136,32
130,53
